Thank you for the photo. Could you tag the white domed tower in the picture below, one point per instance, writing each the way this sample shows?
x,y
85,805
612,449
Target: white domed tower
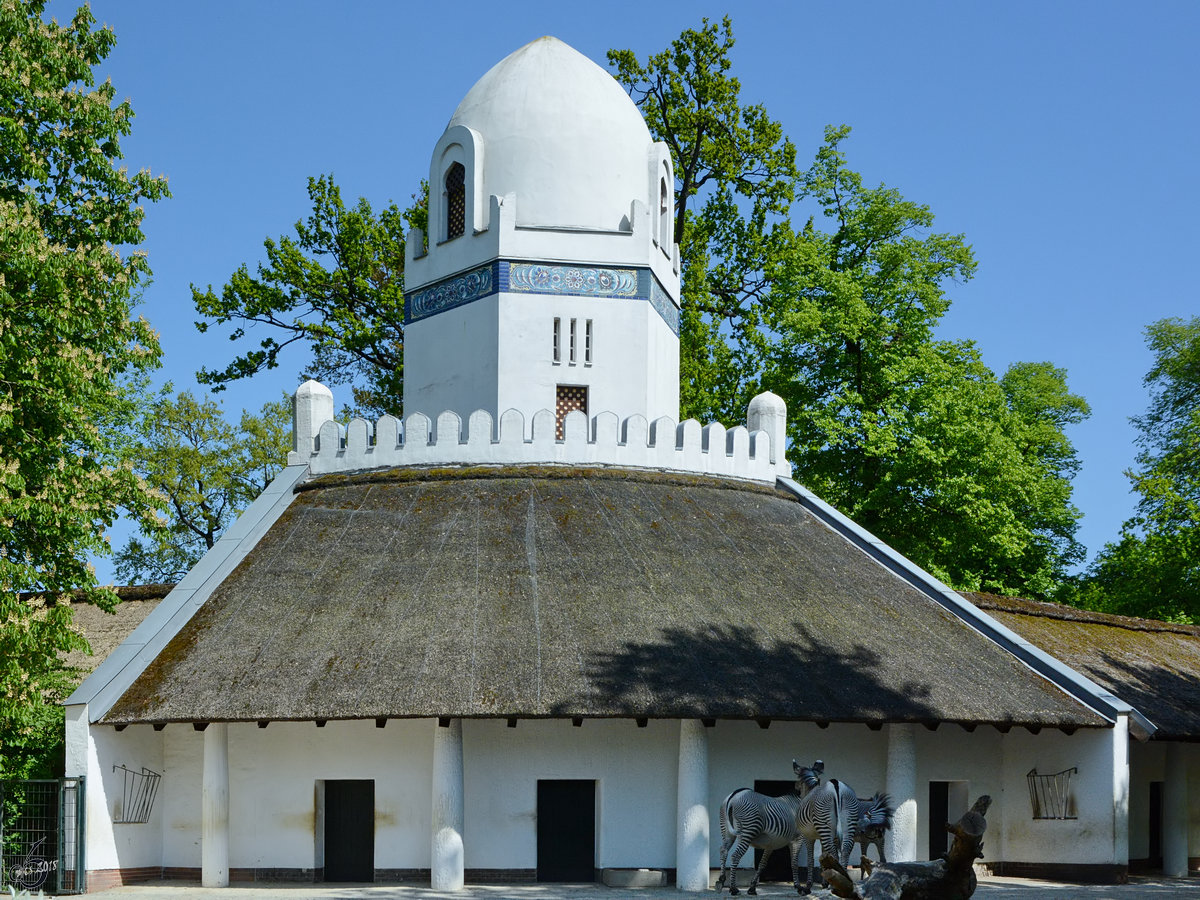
x,y
549,278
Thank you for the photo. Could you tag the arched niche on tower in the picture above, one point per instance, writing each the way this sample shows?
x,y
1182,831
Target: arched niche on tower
x,y
661,196
461,146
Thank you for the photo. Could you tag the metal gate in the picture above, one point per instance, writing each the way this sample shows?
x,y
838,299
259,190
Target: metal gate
x,y
41,835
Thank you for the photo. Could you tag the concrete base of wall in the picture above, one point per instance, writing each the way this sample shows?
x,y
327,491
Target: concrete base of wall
x,y
1078,873
103,879
633,878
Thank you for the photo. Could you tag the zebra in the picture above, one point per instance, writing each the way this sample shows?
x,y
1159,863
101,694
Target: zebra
x,y
750,819
874,820
830,813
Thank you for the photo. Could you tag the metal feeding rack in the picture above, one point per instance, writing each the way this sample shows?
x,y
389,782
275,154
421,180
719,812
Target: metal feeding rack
x,y
138,790
1050,795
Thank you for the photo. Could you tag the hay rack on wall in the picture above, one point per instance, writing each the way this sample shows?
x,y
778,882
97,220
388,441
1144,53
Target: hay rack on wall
x,y
1050,795
138,790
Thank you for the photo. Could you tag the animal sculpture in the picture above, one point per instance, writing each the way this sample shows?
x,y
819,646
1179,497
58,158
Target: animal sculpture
x,y
830,814
750,819
874,820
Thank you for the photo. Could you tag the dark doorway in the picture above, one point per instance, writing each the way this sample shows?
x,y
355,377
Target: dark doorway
x,y
1156,823
779,867
566,830
939,815
350,831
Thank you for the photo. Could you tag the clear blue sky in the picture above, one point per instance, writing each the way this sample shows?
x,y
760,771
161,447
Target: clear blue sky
x,y
1062,138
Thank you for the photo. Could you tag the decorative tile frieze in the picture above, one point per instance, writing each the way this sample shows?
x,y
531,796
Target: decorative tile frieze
x,y
575,281
664,305
554,279
452,292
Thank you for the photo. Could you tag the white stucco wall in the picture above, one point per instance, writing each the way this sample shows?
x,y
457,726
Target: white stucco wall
x,y
1089,839
1147,763
110,845
635,771
273,774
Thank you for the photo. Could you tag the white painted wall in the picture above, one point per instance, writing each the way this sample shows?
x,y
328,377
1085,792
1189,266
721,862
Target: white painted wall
x,y
1090,839
109,845
635,769
273,773
1147,763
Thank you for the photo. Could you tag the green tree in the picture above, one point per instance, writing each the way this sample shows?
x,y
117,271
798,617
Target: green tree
x,y
205,471
1153,569
914,437
67,338
735,178
337,287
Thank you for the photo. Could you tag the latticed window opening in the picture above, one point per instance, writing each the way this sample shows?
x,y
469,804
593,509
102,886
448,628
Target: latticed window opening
x,y
456,201
570,397
1050,795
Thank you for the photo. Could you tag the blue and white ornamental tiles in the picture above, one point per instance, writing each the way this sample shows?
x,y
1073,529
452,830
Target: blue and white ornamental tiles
x,y
541,278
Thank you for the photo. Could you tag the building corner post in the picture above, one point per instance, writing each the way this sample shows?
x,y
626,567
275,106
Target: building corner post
x,y
214,807
691,830
447,868
312,407
1120,791
902,785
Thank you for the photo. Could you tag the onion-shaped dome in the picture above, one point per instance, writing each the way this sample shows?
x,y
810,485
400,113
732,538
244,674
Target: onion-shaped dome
x,y
561,134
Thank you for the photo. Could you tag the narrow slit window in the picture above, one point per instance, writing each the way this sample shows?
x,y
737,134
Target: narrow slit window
x,y
456,201
572,350
587,343
557,351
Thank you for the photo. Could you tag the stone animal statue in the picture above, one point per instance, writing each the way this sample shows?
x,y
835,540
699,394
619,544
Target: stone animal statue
x,y
750,819
875,816
830,813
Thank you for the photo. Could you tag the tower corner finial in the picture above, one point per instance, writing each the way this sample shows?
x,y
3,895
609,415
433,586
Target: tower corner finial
x,y
312,407
768,412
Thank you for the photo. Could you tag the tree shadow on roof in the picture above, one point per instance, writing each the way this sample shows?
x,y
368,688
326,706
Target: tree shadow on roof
x,y
1163,691
732,671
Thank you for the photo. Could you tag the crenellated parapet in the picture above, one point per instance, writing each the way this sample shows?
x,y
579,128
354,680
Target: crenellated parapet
x,y
326,446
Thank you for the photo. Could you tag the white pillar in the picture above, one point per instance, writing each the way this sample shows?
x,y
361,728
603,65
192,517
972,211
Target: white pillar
x,y
901,841
1175,813
1120,758
691,829
214,807
447,869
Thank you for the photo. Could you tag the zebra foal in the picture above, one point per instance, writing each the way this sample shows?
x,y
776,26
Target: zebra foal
x,y
750,819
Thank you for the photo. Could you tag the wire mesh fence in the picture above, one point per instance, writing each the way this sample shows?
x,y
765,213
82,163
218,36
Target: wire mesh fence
x,y
41,839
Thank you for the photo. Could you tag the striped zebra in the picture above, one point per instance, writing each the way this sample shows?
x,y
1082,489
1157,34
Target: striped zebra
x,y
830,814
750,819
874,820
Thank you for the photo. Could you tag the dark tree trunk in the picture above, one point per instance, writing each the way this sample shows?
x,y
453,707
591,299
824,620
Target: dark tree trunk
x,y
950,878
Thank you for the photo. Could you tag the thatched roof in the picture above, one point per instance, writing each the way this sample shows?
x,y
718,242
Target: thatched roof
x,y
574,592
1154,666
105,630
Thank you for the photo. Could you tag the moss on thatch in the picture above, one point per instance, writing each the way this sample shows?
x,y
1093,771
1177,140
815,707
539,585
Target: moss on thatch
x,y
1154,666
574,592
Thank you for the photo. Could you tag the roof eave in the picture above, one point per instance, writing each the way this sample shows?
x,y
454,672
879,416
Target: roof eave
x,y
1070,681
